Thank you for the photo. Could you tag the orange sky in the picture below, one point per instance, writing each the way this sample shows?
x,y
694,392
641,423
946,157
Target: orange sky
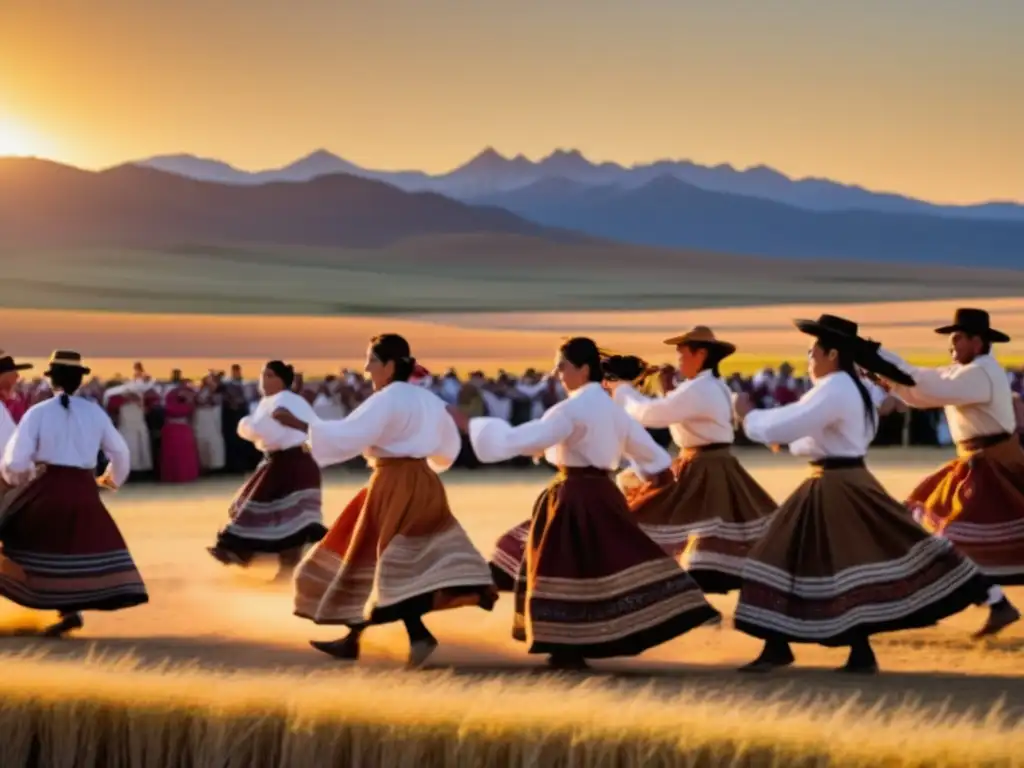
x,y
924,97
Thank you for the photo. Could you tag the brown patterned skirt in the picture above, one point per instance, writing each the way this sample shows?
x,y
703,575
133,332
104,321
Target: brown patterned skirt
x,y
62,550
395,551
593,584
977,502
278,508
709,518
843,560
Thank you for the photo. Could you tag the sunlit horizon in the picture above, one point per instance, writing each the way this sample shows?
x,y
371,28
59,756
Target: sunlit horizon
x,y
916,98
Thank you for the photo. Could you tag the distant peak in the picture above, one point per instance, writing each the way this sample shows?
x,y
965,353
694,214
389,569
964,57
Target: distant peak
x,y
321,154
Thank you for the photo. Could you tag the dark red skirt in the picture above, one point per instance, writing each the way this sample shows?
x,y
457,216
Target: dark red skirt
x,y
63,551
278,508
976,502
592,584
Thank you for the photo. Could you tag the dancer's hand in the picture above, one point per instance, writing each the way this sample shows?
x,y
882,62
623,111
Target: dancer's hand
x,y
459,417
742,405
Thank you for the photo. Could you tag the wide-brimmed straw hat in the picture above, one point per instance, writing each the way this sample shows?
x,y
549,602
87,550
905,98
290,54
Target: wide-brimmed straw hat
x,y
974,322
7,364
841,331
704,336
65,358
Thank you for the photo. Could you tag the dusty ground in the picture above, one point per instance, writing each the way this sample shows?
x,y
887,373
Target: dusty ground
x,y
204,614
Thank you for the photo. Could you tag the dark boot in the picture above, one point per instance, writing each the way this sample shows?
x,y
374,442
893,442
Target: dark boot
x,y
1000,616
421,643
862,659
567,661
69,622
775,655
344,648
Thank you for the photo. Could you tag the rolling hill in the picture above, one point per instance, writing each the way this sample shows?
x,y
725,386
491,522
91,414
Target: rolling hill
x,y
669,212
48,203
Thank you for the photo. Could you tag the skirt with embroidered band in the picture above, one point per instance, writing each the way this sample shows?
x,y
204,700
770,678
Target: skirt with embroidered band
x,y
62,550
395,552
592,584
278,508
708,518
976,502
843,560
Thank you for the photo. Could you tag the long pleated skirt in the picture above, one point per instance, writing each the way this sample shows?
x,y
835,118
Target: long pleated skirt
x,y
708,518
976,502
592,584
396,551
843,560
62,550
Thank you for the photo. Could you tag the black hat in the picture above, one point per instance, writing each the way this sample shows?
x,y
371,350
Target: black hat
x,y
865,352
974,322
7,365
65,358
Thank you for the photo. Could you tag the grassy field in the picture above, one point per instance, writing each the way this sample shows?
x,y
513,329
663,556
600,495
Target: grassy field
x,y
456,273
216,672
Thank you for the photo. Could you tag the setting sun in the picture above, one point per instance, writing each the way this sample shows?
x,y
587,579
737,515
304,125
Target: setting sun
x,y
15,140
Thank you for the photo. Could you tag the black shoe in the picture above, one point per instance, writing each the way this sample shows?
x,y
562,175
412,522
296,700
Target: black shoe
x,y
69,622
567,662
1000,616
771,658
225,556
420,651
346,649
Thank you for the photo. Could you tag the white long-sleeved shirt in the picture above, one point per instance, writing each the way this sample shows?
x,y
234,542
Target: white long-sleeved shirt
x,y
7,427
267,434
72,437
697,412
828,421
976,397
588,429
401,420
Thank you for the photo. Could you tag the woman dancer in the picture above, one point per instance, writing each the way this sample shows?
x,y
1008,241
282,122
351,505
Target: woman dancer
x,y
592,584
61,549
396,552
715,511
842,560
278,510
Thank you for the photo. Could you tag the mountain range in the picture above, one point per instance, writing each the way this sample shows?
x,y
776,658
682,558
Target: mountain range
x,y
42,202
45,202
490,173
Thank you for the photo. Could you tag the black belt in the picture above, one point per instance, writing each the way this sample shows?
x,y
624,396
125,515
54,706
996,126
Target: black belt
x,y
708,447
838,462
983,441
304,448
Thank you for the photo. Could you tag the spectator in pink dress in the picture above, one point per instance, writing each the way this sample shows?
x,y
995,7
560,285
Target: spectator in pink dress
x,y
179,456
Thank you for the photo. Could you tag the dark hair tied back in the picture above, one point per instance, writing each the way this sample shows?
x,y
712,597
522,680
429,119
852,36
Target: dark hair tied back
x,y
582,351
627,368
286,373
67,380
392,348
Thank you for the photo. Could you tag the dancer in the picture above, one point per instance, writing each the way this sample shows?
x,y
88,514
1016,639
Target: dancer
x,y
179,456
62,551
977,500
842,560
396,552
592,584
278,509
10,372
715,511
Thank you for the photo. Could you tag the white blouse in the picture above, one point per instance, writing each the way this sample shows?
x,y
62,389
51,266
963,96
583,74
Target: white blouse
x,y
697,412
401,420
267,434
72,437
828,421
588,429
7,427
977,397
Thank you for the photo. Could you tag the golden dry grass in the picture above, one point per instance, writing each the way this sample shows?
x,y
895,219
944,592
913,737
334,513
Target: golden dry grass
x,y
513,340
216,672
